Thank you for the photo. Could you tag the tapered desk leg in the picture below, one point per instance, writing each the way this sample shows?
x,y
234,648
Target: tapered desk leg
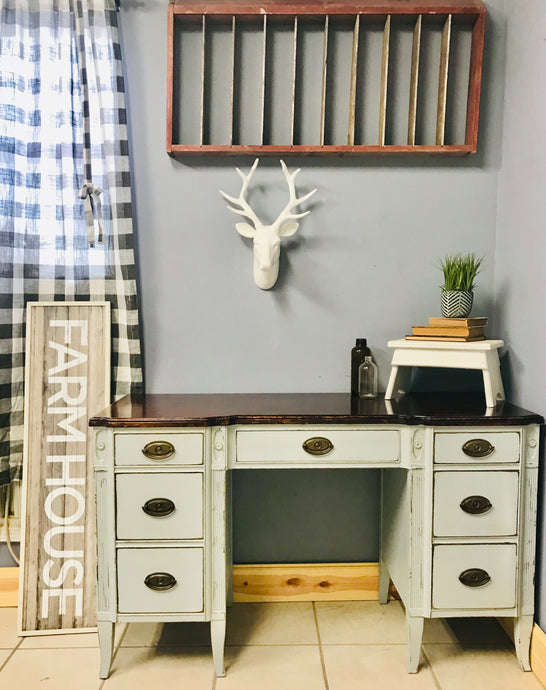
x,y
523,627
218,637
414,625
384,582
105,630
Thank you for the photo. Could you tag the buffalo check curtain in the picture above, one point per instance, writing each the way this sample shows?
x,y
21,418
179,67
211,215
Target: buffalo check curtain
x,y
66,229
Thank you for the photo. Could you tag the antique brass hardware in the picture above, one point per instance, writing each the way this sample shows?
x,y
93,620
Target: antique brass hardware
x,y
474,577
476,505
158,507
160,582
478,448
318,445
158,450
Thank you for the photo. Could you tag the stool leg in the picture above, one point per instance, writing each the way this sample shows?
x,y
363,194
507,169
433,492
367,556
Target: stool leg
x,y
497,389
398,381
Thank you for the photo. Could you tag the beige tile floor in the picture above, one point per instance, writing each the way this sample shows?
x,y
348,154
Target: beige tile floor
x,y
299,646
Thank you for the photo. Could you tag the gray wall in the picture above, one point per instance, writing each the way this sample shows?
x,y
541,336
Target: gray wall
x,y
520,284
362,265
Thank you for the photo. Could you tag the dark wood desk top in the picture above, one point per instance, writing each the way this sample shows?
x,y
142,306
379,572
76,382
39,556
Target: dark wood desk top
x,y
169,410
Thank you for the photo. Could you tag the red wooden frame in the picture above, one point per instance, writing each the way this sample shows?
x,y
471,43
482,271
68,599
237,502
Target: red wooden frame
x,y
474,10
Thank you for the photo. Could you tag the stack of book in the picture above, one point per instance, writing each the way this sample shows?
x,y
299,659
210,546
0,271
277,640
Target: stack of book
x,y
457,330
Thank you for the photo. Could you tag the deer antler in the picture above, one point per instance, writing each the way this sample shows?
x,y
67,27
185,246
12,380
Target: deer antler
x,y
293,200
240,201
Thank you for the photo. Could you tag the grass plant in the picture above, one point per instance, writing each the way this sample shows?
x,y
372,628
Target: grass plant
x,y
460,271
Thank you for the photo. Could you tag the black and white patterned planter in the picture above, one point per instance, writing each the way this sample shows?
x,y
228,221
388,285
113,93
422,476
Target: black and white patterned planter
x,y
456,303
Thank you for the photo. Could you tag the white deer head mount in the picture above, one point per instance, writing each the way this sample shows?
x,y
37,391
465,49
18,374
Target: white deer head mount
x,y
267,238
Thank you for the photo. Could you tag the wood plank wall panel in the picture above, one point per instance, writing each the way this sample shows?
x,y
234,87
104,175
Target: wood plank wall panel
x,y
67,381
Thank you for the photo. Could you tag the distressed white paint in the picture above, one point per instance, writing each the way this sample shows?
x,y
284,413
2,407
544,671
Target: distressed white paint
x,y
429,586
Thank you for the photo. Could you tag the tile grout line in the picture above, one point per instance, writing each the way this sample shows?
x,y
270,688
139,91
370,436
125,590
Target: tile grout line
x,y
433,672
321,654
2,666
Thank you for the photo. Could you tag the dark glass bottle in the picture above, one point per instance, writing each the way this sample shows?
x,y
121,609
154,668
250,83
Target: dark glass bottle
x,y
358,354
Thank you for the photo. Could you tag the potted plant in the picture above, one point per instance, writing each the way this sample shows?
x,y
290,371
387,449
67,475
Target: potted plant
x,y
460,271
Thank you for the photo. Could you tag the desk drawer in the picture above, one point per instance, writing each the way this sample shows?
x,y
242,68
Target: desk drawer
x,y
492,565
139,515
323,445
160,580
159,449
476,447
475,504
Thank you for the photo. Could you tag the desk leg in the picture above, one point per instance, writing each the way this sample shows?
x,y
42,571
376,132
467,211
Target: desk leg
x,y
218,636
384,582
414,626
105,630
523,627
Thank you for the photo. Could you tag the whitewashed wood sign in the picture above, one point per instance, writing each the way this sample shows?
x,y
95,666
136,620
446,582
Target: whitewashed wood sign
x,y
67,380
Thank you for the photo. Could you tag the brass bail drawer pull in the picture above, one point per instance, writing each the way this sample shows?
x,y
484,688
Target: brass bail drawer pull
x,y
476,505
158,450
478,448
158,507
160,582
318,445
474,577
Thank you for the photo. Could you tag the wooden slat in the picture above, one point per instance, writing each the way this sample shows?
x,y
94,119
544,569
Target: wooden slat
x,y
306,582
442,85
9,586
232,94
474,83
384,81
354,72
263,78
414,80
324,75
294,76
203,60
170,77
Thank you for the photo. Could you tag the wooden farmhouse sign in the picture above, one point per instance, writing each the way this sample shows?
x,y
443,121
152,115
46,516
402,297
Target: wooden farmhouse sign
x,y
67,380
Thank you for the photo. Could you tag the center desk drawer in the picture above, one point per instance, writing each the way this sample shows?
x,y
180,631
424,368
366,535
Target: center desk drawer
x,y
315,445
159,449
160,580
159,505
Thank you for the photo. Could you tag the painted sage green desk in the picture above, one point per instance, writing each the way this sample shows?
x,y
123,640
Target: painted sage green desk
x,y
458,501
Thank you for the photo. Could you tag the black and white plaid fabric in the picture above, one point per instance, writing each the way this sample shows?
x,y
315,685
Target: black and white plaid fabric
x,y
63,140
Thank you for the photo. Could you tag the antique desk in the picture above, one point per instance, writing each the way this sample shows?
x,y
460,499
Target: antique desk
x,y
458,501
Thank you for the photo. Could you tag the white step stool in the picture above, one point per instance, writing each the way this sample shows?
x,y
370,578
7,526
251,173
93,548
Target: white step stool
x,y
480,354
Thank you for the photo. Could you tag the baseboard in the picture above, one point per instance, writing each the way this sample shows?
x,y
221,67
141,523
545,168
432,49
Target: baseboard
x,y
306,582
538,653
9,587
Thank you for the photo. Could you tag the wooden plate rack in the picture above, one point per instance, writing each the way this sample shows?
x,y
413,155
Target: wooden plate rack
x,y
391,76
